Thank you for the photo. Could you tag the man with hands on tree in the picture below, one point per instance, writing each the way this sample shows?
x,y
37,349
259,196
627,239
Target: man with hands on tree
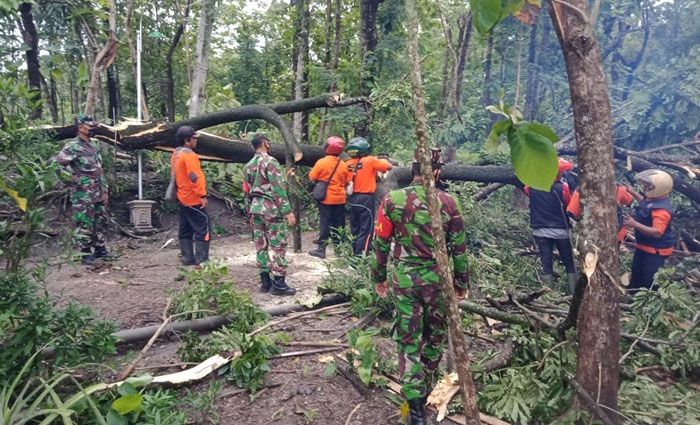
x,y
420,329
81,169
268,207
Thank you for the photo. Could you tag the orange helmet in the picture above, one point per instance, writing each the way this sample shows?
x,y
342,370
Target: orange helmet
x,y
565,166
334,145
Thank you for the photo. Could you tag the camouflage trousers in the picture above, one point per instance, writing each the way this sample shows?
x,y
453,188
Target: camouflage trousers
x,y
420,331
90,221
270,236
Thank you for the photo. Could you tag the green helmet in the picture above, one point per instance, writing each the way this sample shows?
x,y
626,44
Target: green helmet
x,y
358,146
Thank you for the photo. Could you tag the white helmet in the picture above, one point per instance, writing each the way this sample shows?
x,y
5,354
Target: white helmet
x,y
656,183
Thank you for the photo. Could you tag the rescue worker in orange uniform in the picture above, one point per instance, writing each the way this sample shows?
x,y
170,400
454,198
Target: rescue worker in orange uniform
x,y
194,233
623,197
652,227
331,209
361,201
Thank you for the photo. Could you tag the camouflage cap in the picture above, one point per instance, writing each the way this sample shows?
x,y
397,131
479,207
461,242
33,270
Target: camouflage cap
x,y
85,119
259,138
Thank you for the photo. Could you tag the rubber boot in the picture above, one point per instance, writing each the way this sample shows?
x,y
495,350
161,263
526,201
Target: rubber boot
x,y
319,252
201,253
265,282
280,287
87,258
571,280
547,280
101,252
187,252
417,412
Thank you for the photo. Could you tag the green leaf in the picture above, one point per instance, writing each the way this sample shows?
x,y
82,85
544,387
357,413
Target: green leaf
x,y
126,389
534,158
127,403
498,128
56,73
114,418
365,374
541,129
486,14
330,369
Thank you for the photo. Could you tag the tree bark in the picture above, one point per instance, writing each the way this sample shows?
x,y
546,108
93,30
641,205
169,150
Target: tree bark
x,y
368,71
170,80
199,77
468,390
531,79
597,368
486,95
114,108
31,39
104,58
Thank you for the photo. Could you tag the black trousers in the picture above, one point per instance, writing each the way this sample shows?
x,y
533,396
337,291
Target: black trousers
x,y
194,223
361,212
644,267
332,221
546,248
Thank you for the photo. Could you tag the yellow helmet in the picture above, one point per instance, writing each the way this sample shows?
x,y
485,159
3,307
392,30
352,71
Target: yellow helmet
x,y
656,183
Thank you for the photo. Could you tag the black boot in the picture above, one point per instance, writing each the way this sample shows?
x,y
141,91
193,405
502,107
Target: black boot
x,y
187,252
417,412
265,282
87,258
201,254
279,287
319,252
101,252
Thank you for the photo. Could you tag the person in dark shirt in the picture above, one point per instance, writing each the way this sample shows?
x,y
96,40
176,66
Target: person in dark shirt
x,y
550,227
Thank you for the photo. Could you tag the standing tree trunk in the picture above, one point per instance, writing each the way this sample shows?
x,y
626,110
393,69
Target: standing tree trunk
x,y
368,71
31,39
299,119
456,333
114,107
597,368
104,58
486,95
531,79
170,81
207,16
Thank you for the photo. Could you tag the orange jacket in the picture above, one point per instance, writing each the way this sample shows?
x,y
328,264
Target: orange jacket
x,y
189,179
365,171
660,219
336,187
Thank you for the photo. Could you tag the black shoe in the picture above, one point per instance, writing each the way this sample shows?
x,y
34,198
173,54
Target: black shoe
x,y
279,287
201,254
417,412
187,252
102,253
265,282
319,252
88,260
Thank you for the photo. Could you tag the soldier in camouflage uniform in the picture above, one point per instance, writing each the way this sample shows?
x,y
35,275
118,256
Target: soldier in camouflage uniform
x,y
268,207
420,327
81,170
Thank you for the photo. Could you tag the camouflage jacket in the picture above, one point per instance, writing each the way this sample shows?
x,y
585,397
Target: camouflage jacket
x,y
403,216
265,188
81,166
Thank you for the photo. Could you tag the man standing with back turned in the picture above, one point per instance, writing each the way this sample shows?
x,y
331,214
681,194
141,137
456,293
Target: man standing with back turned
x,y
194,234
268,207
421,324
81,164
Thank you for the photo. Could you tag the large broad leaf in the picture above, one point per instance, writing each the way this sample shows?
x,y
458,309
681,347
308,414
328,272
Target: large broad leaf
x,y
541,129
534,158
127,403
497,129
485,14
114,418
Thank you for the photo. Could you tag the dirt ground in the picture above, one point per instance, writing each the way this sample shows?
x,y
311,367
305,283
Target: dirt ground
x,y
133,290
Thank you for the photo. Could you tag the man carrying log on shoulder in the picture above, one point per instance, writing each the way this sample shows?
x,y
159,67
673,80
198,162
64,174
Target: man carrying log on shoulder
x,y
420,329
268,206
